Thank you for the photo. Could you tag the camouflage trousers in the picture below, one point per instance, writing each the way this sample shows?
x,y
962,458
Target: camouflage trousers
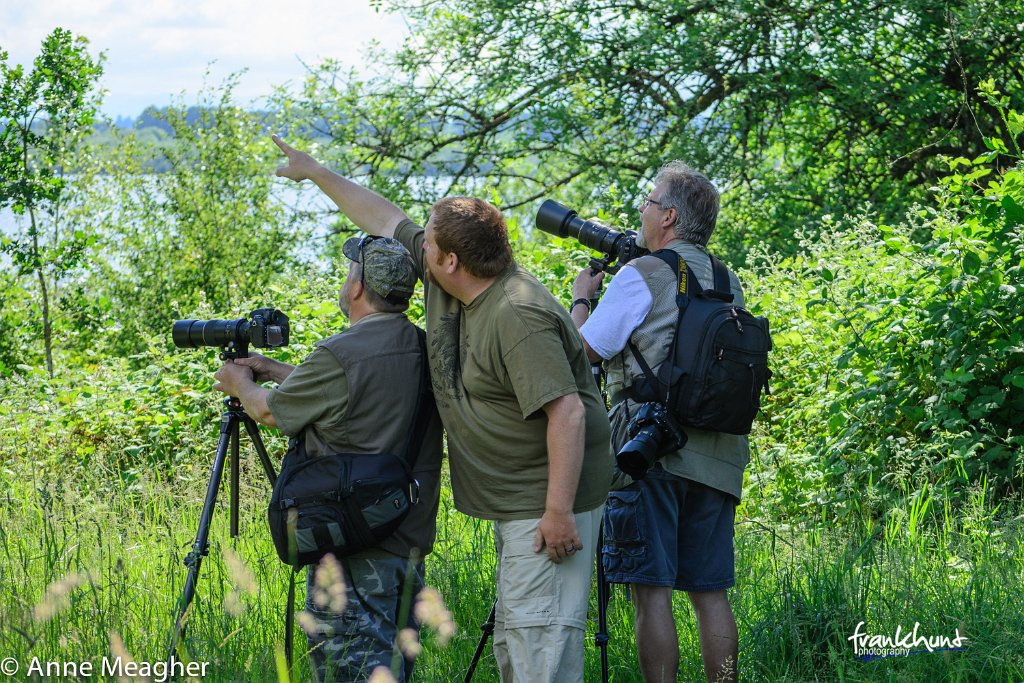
x,y
348,644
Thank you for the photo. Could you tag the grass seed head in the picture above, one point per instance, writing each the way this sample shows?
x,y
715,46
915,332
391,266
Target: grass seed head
x,y
57,595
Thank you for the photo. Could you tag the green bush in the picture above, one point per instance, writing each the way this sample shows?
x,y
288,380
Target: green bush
x,y
899,354
155,409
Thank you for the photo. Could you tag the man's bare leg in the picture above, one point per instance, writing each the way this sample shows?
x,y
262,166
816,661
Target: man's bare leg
x,y
719,639
657,643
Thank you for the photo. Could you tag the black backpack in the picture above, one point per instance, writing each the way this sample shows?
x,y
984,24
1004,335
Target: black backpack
x,y
342,503
717,368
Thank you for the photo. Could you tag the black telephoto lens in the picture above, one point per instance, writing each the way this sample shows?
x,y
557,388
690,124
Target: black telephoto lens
x,y
554,218
264,328
191,334
561,221
181,333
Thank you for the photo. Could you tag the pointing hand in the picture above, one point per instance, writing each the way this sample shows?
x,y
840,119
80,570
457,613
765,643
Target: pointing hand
x,y
300,166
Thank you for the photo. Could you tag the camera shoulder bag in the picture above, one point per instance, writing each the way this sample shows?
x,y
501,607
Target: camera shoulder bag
x,y
342,503
717,368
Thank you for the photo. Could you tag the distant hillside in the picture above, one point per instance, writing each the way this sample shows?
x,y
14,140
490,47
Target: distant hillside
x,y
151,127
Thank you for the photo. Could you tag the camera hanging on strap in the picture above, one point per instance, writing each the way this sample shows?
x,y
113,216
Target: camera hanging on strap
x,y
713,377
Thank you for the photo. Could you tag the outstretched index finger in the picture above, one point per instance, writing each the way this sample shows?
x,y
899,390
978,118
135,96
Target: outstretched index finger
x,y
284,146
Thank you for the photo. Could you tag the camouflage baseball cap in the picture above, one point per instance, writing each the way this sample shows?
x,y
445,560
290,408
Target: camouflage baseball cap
x,y
388,268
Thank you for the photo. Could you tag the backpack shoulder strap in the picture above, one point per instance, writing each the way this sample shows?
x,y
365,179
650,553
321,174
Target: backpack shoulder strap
x,y
687,284
723,286
652,380
424,406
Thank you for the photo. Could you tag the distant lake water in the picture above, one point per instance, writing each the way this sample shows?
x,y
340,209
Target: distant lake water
x,y
294,196
305,197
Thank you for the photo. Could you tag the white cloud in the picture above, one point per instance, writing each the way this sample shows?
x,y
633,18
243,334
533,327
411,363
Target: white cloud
x,y
156,48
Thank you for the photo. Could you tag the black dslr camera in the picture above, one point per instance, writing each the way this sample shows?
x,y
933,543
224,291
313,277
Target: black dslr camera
x,y
562,221
653,432
264,328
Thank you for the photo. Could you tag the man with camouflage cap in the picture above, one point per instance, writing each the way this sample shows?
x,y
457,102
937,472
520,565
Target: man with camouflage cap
x,y
347,397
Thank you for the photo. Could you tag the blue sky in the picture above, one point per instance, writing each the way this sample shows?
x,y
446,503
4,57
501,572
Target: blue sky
x,y
159,49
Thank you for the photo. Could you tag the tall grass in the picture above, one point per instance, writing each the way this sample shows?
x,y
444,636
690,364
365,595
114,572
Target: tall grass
x,y
84,558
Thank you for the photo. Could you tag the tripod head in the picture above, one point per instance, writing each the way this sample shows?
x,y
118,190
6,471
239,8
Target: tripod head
x,y
606,264
233,403
231,351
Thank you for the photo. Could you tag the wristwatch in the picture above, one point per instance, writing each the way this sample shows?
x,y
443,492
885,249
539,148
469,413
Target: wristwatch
x,y
585,302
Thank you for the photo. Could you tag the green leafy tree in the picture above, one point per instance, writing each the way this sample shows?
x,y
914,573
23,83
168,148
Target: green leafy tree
x,y
800,110
46,114
201,236
899,348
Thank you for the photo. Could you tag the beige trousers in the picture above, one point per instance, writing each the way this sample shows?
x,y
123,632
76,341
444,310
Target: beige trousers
x,y
541,617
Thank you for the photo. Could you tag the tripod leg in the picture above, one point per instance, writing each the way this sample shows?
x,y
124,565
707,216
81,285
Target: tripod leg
x,y
201,546
233,481
603,594
488,629
261,450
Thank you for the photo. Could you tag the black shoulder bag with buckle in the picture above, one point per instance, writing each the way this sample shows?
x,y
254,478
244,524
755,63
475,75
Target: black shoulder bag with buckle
x,y
342,503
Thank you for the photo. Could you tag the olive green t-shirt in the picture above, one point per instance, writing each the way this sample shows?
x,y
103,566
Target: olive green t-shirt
x,y
494,364
357,392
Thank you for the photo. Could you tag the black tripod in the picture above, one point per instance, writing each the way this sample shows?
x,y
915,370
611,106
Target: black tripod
x,y
233,415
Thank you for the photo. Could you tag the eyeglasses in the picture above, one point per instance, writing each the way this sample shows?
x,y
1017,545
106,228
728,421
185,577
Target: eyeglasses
x,y
648,201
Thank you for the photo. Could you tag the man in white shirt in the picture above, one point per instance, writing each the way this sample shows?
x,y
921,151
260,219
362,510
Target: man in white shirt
x,y
673,529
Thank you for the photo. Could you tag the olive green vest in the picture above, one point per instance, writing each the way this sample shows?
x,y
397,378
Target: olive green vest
x,y
383,363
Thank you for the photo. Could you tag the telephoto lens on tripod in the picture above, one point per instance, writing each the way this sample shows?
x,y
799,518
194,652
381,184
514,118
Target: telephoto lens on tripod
x,y
264,328
561,221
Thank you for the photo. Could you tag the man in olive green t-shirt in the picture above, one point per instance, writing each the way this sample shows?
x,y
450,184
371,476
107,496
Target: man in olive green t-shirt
x,y
528,436
358,392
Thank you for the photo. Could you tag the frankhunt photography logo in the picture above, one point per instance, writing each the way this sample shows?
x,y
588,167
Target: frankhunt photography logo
x,y
867,646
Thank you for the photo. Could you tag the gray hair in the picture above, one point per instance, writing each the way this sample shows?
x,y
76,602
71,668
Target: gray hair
x,y
375,300
693,197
